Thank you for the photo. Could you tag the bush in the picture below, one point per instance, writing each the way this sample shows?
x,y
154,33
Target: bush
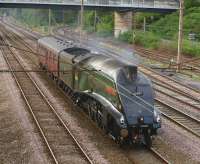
x,y
126,37
104,29
146,39
191,48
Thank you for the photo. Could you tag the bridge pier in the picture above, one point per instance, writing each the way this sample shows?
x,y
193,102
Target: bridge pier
x,y
122,22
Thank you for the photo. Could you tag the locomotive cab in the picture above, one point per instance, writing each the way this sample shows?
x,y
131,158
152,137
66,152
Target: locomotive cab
x,y
137,100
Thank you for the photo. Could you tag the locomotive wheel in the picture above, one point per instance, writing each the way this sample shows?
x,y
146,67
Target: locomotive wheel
x,y
89,110
76,99
99,123
93,114
147,138
105,129
112,127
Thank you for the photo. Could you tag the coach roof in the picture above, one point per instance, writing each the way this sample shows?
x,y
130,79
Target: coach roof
x,y
55,44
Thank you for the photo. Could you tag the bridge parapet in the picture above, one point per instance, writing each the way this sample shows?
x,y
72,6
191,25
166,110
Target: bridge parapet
x,y
160,4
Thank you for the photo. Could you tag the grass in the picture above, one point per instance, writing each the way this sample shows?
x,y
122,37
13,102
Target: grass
x,y
145,39
152,41
189,48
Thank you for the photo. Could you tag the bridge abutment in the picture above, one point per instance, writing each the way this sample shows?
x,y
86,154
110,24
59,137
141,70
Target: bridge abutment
x,y
122,22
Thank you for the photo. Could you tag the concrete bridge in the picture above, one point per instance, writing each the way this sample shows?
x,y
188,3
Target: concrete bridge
x,y
123,8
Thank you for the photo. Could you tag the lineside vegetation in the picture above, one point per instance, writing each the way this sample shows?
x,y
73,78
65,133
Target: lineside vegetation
x,y
161,30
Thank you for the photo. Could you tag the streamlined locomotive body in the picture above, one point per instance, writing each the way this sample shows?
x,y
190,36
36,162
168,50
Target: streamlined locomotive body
x,y
114,94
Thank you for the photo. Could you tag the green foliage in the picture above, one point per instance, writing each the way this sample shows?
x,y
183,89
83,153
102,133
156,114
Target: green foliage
x,y
32,17
104,29
89,18
150,17
70,17
126,37
167,26
89,21
191,3
158,26
146,39
191,48
105,24
192,21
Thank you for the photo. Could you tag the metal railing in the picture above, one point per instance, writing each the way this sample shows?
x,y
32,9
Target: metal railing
x,y
169,4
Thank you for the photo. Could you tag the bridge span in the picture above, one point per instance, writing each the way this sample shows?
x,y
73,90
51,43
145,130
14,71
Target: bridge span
x,y
164,5
123,9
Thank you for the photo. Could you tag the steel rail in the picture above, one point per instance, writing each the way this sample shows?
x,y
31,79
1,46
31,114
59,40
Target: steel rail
x,y
168,78
176,90
193,106
27,32
19,40
180,118
178,99
51,107
159,156
166,60
30,109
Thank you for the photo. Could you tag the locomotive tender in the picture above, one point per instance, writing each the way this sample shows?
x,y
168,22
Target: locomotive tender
x,y
114,94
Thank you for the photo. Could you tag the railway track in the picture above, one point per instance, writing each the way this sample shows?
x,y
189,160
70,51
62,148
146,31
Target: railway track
x,y
191,103
176,85
61,144
181,118
151,55
175,90
158,155
178,91
187,96
153,151
189,63
19,40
